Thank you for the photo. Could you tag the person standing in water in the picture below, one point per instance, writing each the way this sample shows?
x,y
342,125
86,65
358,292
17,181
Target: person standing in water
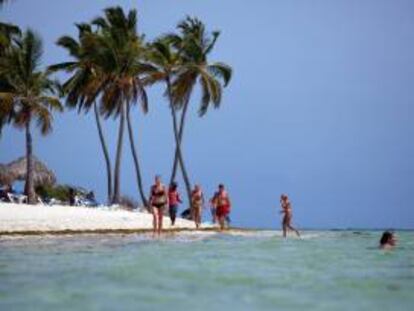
x,y
223,206
173,199
197,202
158,200
287,215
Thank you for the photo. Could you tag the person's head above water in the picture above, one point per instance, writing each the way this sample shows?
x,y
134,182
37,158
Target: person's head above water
x,y
283,197
197,187
157,180
387,239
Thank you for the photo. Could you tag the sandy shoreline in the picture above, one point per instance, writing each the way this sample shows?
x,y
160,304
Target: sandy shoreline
x,y
21,219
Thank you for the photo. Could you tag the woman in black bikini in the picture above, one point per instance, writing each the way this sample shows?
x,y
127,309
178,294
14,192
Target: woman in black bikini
x,y
158,200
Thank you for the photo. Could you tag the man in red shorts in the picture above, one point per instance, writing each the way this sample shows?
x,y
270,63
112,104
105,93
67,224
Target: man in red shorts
x,y
223,206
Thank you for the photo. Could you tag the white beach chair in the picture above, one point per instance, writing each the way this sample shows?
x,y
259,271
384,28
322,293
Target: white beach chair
x,y
17,198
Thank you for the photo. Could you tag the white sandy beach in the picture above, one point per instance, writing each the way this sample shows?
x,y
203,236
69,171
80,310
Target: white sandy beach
x,y
21,218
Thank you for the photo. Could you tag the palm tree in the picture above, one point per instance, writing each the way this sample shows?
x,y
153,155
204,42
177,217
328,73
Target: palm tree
x,y
29,95
119,52
194,46
167,62
83,86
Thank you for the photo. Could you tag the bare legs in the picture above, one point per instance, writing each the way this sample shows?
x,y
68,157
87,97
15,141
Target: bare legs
x,y
157,220
284,230
287,226
222,222
173,214
197,216
293,229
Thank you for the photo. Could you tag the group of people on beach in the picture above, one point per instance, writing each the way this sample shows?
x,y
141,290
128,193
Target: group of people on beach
x,y
160,198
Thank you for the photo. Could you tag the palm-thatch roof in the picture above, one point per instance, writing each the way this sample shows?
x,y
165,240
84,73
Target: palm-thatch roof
x,y
16,171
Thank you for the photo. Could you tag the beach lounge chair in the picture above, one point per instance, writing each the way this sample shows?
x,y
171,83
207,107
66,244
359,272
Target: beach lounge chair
x,y
17,198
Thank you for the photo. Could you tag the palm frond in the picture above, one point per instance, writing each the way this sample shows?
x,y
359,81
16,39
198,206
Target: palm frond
x,y
210,45
70,44
222,71
100,22
32,51
65,66
52,103
44,119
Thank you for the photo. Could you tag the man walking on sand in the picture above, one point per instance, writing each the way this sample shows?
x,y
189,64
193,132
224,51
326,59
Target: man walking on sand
x,y
221,202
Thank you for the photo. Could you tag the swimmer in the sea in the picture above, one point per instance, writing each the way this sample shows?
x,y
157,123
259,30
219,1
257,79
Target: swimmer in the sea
x,y
388,240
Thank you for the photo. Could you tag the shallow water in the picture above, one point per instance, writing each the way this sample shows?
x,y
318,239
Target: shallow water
x,y
341,270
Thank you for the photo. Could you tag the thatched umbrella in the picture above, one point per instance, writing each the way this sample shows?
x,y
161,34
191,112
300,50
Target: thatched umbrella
x,y
16,171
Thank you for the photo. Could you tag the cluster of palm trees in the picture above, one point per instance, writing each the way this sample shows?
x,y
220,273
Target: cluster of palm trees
x,y
109,71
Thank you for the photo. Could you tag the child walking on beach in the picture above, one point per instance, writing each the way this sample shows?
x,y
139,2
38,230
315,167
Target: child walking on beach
x,y
174,199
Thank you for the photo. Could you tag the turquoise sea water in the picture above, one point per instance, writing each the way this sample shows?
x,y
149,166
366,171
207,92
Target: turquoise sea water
x,y
337,270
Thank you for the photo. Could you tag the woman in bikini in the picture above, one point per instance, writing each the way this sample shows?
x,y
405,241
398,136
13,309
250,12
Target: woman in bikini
x,y
158,200
287,217
197,202
223,206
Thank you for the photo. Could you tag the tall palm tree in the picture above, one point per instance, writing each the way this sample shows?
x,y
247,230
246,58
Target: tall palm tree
x,y
83,86
119,52
29,95
194,45
167,62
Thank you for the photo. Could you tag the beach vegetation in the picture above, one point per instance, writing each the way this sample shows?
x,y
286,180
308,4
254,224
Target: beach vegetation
x,y
109,68
28,95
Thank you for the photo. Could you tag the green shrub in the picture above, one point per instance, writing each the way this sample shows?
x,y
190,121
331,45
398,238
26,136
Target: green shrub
x,y
58,192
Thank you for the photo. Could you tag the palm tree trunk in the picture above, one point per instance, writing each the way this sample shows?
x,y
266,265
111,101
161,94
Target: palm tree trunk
x,y
117,173
135,157
175,163
105,152
180,155
178,135
29,186
178,152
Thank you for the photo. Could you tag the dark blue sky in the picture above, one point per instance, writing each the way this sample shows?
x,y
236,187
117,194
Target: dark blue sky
x,y
320,107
